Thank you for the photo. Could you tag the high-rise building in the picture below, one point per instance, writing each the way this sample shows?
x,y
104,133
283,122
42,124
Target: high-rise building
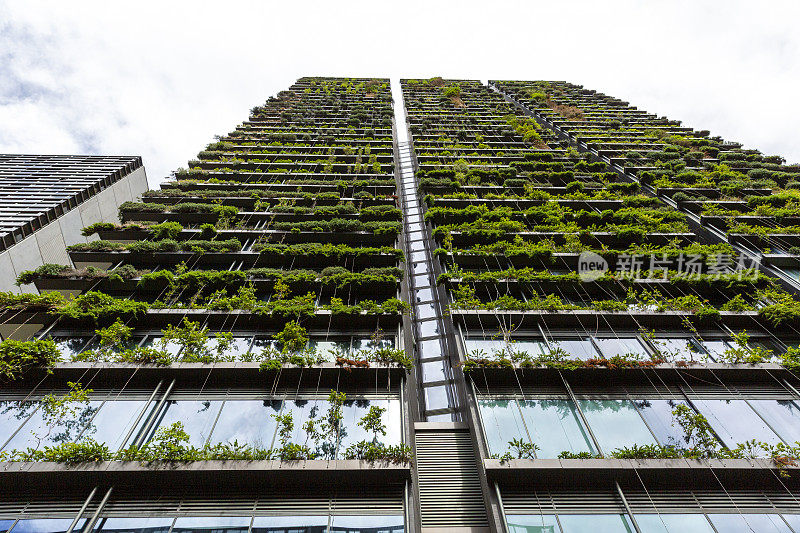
x,y
435,306
45,200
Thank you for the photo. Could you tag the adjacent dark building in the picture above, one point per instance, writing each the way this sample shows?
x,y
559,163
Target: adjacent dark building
x,y
514,307
45,200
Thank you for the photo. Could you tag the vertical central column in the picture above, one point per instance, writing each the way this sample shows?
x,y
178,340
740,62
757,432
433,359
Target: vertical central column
x,y
437,394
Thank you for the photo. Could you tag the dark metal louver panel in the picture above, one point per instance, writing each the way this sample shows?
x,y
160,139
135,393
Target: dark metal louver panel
x,y
662,501
386,501
449,485
41,507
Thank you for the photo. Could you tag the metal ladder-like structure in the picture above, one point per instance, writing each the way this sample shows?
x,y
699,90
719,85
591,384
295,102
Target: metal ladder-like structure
x,y
438,397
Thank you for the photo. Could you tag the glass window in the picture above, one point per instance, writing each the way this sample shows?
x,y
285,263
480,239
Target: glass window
x,y
369,343
5,524
715,349
532,347
615,423
433,371
734,422
367,523
302,411
760,523
238,347
502,422
154,341
532,524
290,524
429,349
678,348
354,410
793,519
46,525
607,523
436,398
217,524
113,422
673,523
134,525
576,348
12,415
658,415
197,417
614,346
488,346
782,415
71,346
263,343
555,426
325,348
37,433
247,422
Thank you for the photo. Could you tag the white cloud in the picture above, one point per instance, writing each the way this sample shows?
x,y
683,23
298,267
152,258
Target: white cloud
x,y
161,78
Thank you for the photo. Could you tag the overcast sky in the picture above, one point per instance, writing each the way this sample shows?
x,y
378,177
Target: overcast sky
x,y
160,79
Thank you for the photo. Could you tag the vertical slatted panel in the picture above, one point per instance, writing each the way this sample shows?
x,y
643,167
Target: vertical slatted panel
x,y
450,492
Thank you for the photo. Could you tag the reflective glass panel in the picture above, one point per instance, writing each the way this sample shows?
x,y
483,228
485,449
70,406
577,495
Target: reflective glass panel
x,y
734,422
532,347
134,525
615,423
171,347
329,348
38,432
12,415
502,422
70,346
367,524
197,418
433,371
607,523
302,411
354,410
263,343
221,524
368,343
614,346
715,348
681,349
555,426
488,346
247,422
658,415
759,523
532,524
114,421
576,348
46,525
238,347
436,398
290,524
782,415
793,519
673,523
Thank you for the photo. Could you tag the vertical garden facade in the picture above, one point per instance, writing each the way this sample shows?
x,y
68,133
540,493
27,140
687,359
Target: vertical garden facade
x,y
546,311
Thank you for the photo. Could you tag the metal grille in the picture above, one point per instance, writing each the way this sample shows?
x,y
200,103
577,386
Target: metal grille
x,y
450,493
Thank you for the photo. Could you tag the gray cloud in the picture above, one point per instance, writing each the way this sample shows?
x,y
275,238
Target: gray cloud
x,y
162,78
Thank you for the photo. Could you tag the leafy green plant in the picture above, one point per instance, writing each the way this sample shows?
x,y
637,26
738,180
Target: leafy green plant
x,y
17,357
